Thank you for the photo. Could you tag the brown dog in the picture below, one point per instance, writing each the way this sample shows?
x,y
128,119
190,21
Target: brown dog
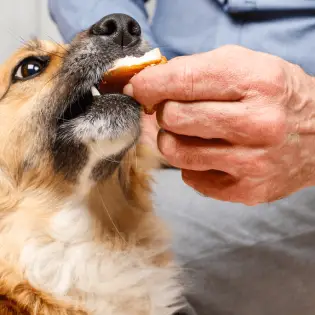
x,y
77,230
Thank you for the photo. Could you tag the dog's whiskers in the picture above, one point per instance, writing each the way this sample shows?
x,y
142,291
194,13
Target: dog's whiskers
x,y
134,149
108,158
49,81
28,44
58,44
110,217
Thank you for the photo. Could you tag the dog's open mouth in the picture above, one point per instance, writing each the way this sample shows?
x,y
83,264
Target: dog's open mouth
x,y
82,105
113,81
78,108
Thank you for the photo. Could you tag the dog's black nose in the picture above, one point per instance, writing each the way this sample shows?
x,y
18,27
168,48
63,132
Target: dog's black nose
x,y
120,28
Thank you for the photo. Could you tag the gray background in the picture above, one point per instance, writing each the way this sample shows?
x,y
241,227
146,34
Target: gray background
x,y
22,19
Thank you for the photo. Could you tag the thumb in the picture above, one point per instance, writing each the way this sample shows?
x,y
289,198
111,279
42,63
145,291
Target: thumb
x,y
188,78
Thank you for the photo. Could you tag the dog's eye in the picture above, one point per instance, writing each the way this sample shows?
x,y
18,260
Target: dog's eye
x,y
29,68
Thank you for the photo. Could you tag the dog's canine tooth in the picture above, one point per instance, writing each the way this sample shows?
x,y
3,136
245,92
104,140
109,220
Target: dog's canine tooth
x,y
95,91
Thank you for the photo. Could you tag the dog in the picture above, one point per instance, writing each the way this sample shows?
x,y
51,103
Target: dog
x,y
78,233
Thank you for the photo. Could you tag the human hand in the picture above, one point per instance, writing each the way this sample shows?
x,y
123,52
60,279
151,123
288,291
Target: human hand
x,y
240,124
149,133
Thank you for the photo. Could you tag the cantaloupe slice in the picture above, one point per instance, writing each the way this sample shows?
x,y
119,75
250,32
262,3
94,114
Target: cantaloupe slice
x,y
125,68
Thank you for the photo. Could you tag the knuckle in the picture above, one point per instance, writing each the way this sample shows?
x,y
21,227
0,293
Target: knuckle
x,y
267,77
167,145
254,166
181,156
169,116
184,157
183,77
275,82
253,162
278,127
233,54
273,126
189,157
278,77
139,81
141,88
186,81
232,49
177,152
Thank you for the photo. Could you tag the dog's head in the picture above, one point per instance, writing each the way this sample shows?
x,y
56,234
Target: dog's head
x,y
73,204
54,123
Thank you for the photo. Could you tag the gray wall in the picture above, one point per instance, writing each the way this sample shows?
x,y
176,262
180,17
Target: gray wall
x,y
22,19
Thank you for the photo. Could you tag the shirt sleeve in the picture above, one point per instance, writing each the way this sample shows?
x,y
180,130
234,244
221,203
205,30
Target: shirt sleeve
x,y
235,6
73,16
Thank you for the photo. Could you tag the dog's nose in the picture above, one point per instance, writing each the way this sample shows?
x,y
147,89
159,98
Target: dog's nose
x,y
120,28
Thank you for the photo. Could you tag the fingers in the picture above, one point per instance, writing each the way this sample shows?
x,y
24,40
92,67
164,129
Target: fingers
x,y
224,187
235,122
149,130
198,77
202,155
193,153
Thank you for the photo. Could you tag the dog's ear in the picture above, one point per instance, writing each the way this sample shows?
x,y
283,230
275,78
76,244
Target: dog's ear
x,y
9,307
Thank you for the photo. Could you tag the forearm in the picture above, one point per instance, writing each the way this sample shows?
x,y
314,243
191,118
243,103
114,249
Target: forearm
x,y
73,16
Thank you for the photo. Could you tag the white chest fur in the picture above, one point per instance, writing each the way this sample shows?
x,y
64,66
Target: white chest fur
x,y
70,264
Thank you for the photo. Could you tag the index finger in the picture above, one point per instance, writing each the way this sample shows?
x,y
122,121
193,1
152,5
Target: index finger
x,y
206,76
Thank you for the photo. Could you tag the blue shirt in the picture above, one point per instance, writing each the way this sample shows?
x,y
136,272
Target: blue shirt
x,y
285,28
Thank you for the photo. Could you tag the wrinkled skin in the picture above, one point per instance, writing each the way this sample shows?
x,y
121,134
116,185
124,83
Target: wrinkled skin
x,y
239,124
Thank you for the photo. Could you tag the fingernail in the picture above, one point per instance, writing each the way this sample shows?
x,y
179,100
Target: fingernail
x,y
128,90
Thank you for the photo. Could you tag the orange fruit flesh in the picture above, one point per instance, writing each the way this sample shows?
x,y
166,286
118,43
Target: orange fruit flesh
x,y
116,78
127,72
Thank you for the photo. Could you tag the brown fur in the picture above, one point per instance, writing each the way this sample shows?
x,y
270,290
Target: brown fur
x,y
31,193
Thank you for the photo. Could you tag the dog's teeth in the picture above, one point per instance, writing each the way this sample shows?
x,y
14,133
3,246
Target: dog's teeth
x,y
95,91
